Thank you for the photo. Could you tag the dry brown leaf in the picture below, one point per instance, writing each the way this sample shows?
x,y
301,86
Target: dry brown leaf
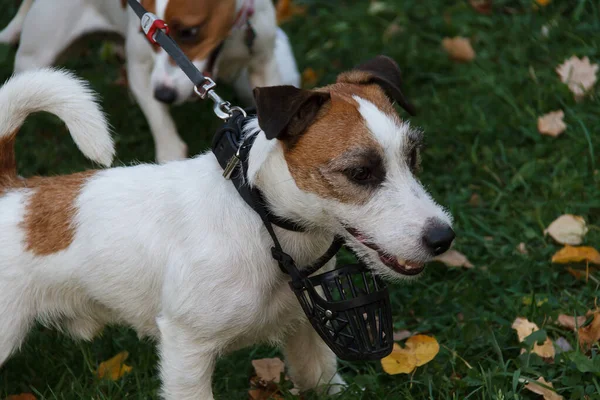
x,y
268,369
567,229
548,394
590,334
309,77
522,248
570,322
459,49
22,396
543,3
419,350
114,368
260,390
552,124
578,74
286,10
525,328
453,258
482,6
570,254
401,335
392,30
475,200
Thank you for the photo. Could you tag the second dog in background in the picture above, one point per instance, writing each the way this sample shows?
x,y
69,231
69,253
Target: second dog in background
x,y
235,40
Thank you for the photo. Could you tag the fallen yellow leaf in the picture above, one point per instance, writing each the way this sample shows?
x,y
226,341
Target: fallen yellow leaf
x,y
459,49
22,396
453,258
537,388
570,322
543,3
590,334
286,10
552,124
528,300
114,368
418,350
400,361
570,254
268,369
567,229
525,328
578,74
424,347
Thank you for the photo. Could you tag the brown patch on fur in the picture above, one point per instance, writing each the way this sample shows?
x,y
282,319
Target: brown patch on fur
x,y
213,18
8,164
49,215
339,130
48,220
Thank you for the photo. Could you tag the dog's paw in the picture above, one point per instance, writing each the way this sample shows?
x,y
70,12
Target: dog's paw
x,y
336,385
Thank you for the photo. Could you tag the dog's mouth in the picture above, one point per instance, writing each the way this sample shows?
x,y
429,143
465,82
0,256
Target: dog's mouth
x,y
404,267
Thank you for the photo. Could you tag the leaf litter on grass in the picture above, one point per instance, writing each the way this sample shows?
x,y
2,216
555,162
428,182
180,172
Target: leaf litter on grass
x,y
114,368
552,124
578,74
418,351
525,328
543,387
567,229
459,49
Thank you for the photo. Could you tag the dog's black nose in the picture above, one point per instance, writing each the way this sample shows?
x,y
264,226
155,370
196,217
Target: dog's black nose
x,y
165,94
438,237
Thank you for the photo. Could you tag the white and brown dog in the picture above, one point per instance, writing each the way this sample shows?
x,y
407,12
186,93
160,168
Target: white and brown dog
x,y
173,251
236,40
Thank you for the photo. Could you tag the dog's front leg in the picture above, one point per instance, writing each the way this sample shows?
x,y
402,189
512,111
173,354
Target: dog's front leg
x,y
310,362
186,363
168,144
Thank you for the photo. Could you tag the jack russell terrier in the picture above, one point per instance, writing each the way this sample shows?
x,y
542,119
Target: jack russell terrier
x,y
238,40
173,251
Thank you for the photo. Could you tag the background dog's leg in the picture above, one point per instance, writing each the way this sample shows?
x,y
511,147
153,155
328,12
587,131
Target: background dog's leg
x,y
310,362
169,145
186,363
47,34
11,33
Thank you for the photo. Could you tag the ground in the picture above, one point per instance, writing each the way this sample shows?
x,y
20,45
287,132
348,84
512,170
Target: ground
x,y
480,125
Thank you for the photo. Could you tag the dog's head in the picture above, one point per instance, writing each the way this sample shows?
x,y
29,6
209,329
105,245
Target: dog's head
x,y
198,27
340,158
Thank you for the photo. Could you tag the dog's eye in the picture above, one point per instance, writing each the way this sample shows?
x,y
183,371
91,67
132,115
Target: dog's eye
x,y
360,175
187,35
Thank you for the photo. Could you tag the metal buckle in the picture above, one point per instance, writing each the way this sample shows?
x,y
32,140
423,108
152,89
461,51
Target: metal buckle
x,y
222,108
150,24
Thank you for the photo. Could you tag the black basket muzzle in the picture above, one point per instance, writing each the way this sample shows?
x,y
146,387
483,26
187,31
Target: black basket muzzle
x,y
349,307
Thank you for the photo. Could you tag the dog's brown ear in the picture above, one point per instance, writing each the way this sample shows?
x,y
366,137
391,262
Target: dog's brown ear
x,y
384,72
284,112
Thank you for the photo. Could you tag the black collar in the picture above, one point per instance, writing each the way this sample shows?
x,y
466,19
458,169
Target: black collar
x,y
232,151
228,145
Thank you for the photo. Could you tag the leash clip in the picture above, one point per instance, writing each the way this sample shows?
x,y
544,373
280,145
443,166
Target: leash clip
x,y
150,24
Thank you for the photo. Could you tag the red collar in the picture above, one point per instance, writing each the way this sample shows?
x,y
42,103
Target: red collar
x,y
244,14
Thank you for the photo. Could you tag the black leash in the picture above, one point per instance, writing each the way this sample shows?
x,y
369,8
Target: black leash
x,y
157,32
229,148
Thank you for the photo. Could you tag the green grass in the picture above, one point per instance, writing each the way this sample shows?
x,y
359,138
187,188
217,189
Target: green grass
x,y
480,124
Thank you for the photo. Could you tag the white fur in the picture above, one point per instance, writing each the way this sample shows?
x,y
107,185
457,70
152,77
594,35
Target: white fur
x,y
173,251
60,93
44,34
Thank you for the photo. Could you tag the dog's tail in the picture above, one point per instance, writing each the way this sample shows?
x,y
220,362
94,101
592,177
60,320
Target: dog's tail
x,y
12,32
59,93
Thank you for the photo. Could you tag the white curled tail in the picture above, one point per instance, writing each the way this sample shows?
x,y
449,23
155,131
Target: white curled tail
x,y
63,94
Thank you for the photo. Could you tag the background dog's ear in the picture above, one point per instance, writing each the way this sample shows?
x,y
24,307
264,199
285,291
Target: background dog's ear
x,y
284,112
384,72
